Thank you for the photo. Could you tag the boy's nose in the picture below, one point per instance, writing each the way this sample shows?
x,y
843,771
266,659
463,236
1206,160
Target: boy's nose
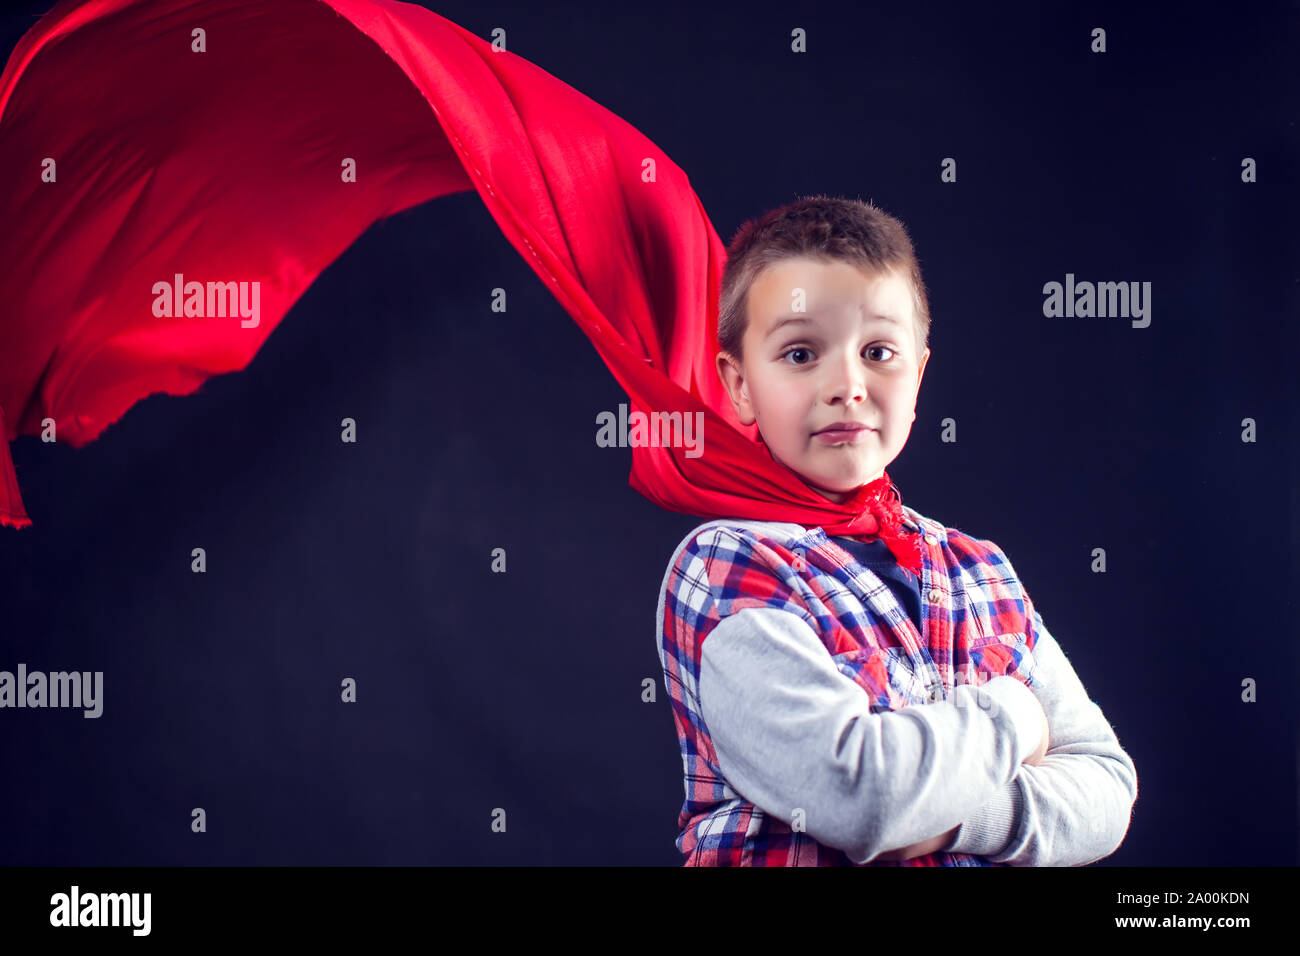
x,y
847,382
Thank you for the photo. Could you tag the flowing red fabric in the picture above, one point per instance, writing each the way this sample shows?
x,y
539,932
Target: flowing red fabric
x,y
227,166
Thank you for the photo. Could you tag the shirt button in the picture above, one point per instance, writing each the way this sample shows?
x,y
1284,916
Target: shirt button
x,y
935,595
931,539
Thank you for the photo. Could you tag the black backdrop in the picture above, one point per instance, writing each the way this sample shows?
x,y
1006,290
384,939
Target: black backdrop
x,y
476,430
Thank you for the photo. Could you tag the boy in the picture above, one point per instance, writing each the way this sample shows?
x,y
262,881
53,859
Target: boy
x,y
854,702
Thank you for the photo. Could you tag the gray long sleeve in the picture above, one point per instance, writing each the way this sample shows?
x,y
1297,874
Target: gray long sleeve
x,y
792,733
1072,809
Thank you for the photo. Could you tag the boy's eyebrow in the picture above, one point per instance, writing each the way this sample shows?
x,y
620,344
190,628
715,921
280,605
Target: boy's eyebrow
x,y
805,320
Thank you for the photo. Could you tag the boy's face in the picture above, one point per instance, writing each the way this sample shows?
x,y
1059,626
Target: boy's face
x,y
837,361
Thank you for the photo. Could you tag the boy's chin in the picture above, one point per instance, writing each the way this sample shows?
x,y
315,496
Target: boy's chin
x,y
837,491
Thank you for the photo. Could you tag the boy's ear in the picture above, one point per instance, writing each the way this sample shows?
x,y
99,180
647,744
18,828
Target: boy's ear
x,y
733,380
925,358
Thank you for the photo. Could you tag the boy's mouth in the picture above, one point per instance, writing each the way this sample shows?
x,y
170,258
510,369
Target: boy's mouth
x,y
847,424
837,434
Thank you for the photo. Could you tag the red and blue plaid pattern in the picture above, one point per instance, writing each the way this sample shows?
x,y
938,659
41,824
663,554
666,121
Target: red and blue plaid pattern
x,y
979,622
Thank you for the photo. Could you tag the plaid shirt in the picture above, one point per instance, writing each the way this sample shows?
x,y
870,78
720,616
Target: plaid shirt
x,y
979,624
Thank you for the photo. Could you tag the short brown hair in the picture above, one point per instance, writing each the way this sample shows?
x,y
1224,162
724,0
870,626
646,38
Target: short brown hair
x,y
824,228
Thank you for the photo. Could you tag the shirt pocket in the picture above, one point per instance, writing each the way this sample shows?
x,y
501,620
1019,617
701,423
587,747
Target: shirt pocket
x,y
995,655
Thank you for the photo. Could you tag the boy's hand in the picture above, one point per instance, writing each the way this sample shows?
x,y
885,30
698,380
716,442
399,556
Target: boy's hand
x,y
1035,758
932,845
936,844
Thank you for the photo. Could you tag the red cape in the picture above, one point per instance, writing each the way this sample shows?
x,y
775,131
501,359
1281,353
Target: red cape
x,y
226,166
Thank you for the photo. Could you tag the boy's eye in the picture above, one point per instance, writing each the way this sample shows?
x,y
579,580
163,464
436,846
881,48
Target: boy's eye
x,y
808,352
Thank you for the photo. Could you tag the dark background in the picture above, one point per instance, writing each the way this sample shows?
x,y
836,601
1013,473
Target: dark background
x,y
523,690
